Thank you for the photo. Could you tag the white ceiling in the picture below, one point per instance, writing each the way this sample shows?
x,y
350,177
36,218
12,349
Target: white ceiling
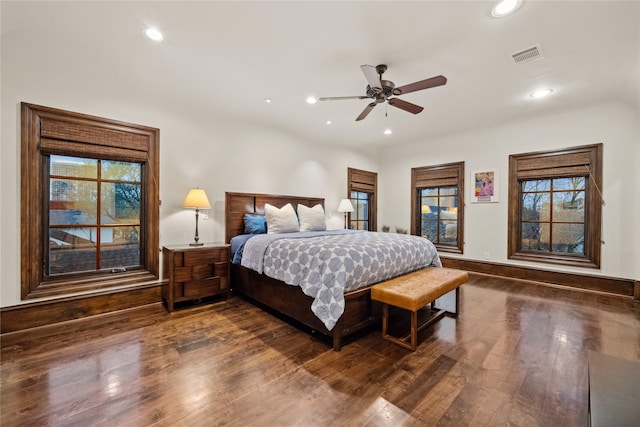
x,y
225,58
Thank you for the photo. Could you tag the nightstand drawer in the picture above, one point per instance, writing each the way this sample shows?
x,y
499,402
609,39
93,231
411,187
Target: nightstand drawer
x,y
209,256
201,288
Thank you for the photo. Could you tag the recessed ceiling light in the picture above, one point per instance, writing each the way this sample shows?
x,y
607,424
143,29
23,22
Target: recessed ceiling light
x,y
505,7
154,34
268,100
541,93
328,122
387,132
311,100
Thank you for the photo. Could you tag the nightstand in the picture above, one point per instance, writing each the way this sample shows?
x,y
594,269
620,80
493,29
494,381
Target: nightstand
x,y
194,272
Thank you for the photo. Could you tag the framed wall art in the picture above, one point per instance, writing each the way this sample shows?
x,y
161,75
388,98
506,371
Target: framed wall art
x,y
485,186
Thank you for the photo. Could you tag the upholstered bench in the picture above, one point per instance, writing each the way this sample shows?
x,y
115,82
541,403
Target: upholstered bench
x,y
414,291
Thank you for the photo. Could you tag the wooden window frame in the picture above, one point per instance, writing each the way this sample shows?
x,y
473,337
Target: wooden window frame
x,y
364,182
564,163
46,131
443,175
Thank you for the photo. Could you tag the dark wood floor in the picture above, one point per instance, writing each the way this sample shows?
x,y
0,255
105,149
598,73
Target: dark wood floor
x,y
517,355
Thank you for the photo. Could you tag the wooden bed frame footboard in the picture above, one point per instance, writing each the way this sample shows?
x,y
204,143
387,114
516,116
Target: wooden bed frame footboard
x,y
360,311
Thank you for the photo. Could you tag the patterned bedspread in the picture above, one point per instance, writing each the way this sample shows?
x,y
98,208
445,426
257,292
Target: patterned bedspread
x,y
328,264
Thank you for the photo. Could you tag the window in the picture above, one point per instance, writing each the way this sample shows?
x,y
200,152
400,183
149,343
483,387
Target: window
x,y
437,207
89,202
554,206
439,214
360,216
362,190
94,215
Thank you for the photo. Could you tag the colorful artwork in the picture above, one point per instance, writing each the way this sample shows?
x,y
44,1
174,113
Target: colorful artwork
x,y
484,184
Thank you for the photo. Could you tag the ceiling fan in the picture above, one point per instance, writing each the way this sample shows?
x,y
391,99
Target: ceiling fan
x,y
382,90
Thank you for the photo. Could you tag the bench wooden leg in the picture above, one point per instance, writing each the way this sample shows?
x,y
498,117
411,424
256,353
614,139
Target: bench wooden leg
x,y
385,319
400,341
457,302
410,341
414,330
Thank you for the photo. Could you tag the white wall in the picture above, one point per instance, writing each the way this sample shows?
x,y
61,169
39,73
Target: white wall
x,y
615,125
206,149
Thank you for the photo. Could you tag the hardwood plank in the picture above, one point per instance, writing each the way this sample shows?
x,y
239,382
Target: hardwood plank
x,y
516,355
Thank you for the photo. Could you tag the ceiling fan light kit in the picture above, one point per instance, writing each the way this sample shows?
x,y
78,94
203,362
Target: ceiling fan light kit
x,y
384,90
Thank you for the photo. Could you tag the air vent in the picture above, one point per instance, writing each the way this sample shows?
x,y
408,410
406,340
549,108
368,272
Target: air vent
x,y
531,54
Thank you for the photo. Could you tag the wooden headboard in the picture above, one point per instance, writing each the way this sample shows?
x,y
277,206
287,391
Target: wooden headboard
x,y
238,204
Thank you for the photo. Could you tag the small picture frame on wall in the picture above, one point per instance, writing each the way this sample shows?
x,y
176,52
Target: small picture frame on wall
x,y
485,186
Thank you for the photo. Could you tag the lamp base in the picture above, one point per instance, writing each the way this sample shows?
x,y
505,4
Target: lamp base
x,y
196,244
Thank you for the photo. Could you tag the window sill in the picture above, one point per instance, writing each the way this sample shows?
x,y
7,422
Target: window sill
x,y
569,261
102,282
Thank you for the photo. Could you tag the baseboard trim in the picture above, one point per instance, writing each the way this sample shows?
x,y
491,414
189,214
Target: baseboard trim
x,y
43,313
609,285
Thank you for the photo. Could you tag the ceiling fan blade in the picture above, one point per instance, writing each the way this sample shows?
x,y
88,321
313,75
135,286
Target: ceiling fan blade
x,y
337,98
422,84
366,111
406,106
372,76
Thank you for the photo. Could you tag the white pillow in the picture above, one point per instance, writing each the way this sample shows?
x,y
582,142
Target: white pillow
x,y
311,219
283,220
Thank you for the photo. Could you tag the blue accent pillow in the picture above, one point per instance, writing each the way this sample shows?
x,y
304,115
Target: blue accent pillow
x,y
255,224
237,247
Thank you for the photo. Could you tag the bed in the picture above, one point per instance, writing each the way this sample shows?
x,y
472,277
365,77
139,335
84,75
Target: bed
x,y
358,311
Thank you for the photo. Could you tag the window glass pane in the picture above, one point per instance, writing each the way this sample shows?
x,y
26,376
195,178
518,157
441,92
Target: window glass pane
x,y
72,250
448,191
120,203
429,207
360,216
430,229
448,202
568,206
535,236
119,247
73,167
536,185
361,209
121,171
425,211
574,183
72,202
535,206
568,238
448,231
439,204
432,192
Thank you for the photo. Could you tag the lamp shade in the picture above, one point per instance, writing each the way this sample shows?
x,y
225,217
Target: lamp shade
x,y
196,198
345,206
